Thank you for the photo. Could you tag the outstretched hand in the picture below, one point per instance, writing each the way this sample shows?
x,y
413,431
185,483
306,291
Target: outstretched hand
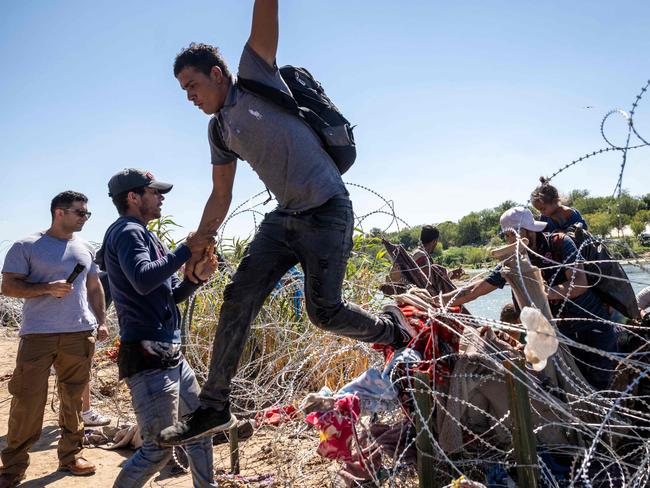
x,y
457,273
199,242
207,265
201,245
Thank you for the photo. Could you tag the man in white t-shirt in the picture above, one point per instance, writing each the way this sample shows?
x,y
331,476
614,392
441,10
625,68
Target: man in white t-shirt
x,y
59,315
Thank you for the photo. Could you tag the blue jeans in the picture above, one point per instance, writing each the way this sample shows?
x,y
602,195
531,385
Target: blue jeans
x,y
159,396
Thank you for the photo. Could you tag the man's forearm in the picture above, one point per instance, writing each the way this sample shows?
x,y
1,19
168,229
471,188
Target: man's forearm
x,y
575,285
214,214
23,289
458,297
98,304
560,292
184,290
467,293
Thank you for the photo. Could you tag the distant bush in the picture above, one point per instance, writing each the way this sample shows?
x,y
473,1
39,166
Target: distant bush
x,y
464,256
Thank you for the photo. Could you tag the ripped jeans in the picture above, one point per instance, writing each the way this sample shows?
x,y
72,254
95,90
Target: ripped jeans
x,y
320,240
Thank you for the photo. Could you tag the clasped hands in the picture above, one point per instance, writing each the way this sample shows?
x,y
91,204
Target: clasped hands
x,y
203,261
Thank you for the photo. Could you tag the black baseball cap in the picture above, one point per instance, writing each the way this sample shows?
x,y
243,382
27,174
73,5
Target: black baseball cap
x,y
131,178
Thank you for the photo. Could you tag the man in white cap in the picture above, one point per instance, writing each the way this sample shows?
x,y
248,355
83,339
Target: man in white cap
x,y
569,294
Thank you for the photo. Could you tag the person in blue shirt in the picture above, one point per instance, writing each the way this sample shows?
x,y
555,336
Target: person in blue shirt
x,y
582,316
558,217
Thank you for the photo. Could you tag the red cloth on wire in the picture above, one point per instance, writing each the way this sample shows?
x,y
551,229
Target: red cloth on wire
x,y
436,338
276,415
336,428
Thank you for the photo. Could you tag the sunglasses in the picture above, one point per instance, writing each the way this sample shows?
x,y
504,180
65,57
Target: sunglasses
x,y
79,212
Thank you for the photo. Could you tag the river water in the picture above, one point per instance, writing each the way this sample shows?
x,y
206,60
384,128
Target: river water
x,y
489,306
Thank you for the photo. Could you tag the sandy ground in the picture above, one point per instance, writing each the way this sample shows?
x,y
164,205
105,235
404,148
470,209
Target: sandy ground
x,y
42,470
267,459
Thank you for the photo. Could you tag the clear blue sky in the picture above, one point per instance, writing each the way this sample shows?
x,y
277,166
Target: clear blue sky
x,y
458,105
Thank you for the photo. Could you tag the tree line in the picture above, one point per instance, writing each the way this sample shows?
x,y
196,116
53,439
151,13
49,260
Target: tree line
x,y
467,240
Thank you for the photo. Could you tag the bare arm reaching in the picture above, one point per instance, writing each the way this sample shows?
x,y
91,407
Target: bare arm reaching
x,y
214,212
467,293
264,32
216,208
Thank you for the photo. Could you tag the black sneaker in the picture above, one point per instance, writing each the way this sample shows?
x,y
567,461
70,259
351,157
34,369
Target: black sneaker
x,y
404,332
203,422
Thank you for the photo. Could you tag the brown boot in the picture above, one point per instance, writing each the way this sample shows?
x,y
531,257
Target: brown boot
x,y
9,480
79,467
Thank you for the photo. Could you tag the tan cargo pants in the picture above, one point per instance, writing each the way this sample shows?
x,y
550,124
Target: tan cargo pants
x,y
71,355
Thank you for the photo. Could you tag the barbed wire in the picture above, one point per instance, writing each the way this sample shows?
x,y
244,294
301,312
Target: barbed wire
x,y
586,437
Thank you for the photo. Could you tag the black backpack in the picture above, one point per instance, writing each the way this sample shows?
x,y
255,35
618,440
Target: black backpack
x,y
606,276
311,103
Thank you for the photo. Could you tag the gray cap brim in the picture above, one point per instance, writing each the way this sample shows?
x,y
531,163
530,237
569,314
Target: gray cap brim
x,y
161,186
538,226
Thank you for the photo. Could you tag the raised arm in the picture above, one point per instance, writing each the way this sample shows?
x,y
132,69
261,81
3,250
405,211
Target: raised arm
x,y
264,32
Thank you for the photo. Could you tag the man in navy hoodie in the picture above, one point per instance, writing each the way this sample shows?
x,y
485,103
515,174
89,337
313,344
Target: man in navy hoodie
x,y
145,288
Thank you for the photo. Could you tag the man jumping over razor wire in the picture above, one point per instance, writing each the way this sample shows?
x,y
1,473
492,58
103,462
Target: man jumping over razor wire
x,y
298,159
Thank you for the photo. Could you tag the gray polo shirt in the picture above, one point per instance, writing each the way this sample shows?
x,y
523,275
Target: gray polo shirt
x,y
42,259
281,148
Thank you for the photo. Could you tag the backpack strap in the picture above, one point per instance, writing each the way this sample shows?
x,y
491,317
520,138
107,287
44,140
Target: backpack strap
x,y
217,138
270,93
307,100
287,102
556,244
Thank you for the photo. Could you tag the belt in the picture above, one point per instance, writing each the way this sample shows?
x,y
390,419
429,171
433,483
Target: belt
x,y
329,202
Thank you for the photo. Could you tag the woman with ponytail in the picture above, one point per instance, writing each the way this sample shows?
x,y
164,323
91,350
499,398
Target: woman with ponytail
x,y
546,199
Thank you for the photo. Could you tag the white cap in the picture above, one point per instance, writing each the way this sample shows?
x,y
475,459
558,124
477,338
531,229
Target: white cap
x,y
520,218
